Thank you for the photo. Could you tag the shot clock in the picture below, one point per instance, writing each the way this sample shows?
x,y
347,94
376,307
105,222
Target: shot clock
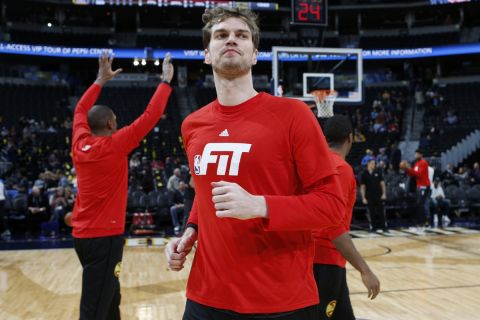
x,y
309,12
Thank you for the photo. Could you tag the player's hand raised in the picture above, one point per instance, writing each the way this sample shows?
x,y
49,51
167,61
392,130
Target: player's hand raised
x,y
167,68
105,72
232,201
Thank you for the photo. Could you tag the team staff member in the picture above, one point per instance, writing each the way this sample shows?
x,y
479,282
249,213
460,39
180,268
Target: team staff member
x,y
100,156
374,194
330,255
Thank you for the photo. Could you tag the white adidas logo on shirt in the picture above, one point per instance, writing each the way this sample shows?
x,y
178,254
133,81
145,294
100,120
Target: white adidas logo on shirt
x,y
86,148
224,133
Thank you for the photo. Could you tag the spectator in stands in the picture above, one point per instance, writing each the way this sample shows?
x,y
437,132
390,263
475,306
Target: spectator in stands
x,y
177,205
393,127
440,204
40,182
374,194
448,176
367,157
475,176
146,181
63,180
380,121
382,156
38,209
451,118
188,197
58,204
382,166
462,176
23,183
70,197
135,161
358,136
174,180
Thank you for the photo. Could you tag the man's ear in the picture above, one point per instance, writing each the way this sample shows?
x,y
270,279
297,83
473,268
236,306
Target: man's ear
x,y
110,124
254,60
207,57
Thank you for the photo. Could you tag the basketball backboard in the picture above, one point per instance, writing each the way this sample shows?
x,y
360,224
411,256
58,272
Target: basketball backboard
x,y
301,70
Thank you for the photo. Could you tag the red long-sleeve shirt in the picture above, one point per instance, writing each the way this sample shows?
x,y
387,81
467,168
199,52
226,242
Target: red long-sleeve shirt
x,y
101,165
325,250
420,172
274,147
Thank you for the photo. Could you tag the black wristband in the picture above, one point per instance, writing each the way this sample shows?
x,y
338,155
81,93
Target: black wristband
x,y
165,81
192,225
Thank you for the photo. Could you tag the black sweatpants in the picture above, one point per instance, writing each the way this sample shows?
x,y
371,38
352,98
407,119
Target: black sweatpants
x,y
101,259
376,215
333,291
197,311
423,194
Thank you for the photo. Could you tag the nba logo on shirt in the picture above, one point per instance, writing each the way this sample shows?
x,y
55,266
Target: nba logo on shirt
x,y
231,158
196,164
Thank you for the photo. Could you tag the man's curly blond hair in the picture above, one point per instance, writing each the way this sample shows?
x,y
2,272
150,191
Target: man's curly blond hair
x,y
216,15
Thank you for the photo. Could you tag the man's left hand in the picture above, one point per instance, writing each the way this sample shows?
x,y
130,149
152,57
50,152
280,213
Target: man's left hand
x,y
232,201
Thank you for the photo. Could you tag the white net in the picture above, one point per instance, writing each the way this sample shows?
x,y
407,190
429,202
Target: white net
x,y
324,99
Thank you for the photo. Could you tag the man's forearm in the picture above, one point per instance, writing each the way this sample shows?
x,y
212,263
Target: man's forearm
x,y
345,245
384,189
362,191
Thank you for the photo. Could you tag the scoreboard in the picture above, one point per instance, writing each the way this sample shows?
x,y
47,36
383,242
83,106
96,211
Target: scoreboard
x,y
309,12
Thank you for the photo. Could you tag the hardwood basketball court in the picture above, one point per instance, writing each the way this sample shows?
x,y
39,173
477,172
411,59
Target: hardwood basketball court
x,y
422,277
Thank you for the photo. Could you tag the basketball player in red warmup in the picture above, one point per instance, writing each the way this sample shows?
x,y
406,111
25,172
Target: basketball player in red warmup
x,y
100,156
263,180
330,255
420,173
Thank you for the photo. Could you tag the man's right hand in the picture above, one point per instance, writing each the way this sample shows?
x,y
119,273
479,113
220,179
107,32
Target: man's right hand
x,y
178,249
105,72
371,282
167,68
364,201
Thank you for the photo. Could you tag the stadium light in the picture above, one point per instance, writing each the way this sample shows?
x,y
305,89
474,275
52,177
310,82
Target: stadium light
x,y
144,62
49,24
157,62
135,62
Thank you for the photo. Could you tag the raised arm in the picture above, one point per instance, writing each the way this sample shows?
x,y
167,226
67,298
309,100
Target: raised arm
x,y
130,136
86,102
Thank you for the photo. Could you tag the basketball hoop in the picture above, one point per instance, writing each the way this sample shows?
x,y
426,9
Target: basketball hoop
x,y
324,100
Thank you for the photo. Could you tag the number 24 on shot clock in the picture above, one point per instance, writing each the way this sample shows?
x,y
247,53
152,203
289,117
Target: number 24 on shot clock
x,y
309,12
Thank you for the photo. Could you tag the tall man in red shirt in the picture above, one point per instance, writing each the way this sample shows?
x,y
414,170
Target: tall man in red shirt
x,y
420,173
333,246
263,180
100,156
